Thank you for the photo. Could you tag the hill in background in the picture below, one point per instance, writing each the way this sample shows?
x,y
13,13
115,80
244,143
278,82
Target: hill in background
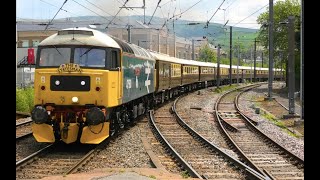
x,y
216,33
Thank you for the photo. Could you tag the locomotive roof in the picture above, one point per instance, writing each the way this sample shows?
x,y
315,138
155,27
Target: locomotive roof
x,y
80,36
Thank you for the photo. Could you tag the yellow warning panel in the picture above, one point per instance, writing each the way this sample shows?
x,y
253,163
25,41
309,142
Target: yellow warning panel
x,y
43,133
95,134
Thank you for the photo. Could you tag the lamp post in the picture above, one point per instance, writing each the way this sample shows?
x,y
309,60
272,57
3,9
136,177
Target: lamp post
x,y
218,67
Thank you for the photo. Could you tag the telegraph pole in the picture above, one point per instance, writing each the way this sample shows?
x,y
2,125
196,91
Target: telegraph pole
x,y
251,65
230,69
144,11
192,49
159,41
238,65
302,61
281,57
254,60
262,59
291,70
218,66
129,33
174,41
270,49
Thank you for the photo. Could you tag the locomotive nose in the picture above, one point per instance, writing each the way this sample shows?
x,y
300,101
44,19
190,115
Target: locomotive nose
x,y
39,115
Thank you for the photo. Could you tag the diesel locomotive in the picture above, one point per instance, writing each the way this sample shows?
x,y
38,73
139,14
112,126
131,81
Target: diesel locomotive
x,y
88,85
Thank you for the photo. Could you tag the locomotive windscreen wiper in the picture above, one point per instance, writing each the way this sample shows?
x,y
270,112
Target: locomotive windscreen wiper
x,y
86,52
57,50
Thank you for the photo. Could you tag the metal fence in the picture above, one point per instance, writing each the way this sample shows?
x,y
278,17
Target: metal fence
x,y
24,77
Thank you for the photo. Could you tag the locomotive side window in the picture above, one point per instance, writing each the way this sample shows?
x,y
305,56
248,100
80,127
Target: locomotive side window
x,y
115,59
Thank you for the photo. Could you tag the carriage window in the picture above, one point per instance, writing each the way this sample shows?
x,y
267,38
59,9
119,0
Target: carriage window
x,y
90,57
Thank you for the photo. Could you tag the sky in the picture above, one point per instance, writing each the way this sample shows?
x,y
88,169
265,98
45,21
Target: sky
x,y
236,12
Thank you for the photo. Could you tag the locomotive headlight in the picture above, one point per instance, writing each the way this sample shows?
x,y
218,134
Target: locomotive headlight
x,y
83,83
75,99
57,82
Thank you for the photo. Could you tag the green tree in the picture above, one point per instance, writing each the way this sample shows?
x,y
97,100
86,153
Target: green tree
x,y
207,54
282,9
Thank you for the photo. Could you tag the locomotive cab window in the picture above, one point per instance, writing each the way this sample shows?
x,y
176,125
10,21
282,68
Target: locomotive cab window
x,y
54,56
90,57
115,60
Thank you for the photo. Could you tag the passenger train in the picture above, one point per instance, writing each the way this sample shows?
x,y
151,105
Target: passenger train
x,y
88,85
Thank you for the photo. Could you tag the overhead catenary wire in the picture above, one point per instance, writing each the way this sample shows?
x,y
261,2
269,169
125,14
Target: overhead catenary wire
x,y
55,15
137,13
90,10
251,14
207,24
230,4
56,6
185,10
100,9
165,23
154,11
116,14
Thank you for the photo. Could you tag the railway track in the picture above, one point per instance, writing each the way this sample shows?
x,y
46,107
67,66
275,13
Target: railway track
x,y
158,156
254,147
23,125
20,114
54,159
192,152
23,129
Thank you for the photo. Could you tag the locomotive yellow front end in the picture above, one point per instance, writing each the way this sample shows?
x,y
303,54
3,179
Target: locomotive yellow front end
x,y
76,86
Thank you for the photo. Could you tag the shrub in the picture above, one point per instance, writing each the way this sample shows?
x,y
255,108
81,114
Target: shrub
x,y
24,99
29,92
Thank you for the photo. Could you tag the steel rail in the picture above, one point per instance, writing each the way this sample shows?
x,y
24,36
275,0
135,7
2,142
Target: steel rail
x,y
253,173
248,119
73,168
240,152
169,148
23,136
22,161
23,123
